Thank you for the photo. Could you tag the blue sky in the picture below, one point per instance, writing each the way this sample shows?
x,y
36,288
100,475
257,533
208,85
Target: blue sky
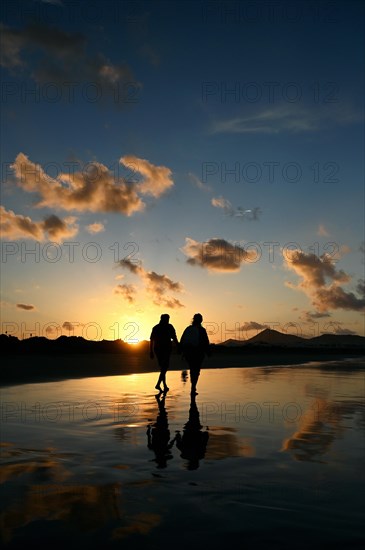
x,y
240,125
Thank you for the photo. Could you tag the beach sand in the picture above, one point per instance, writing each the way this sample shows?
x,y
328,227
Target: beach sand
x,y
265,456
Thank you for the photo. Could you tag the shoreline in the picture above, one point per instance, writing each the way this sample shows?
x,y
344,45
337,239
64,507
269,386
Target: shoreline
x,y
17,369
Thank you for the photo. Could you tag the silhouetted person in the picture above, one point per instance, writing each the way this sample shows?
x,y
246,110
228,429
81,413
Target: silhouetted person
x,y
158,435
194,345
161,339
193,442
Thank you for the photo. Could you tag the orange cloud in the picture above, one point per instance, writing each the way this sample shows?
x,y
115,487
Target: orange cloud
x,y
156,180
95,189
216,255
16,226
156,285
95,227
126,291
321,282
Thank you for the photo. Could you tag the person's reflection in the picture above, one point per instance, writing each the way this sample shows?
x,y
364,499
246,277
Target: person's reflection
x,y
158,435
193,442
184,376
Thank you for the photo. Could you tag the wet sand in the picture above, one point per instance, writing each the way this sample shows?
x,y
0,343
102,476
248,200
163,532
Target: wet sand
x,y
271,457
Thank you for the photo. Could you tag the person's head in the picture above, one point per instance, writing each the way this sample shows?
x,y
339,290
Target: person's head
x,y
165,317
197,319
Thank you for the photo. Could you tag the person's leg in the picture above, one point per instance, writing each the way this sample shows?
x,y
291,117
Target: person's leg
x,y
194,377
163,361
195,371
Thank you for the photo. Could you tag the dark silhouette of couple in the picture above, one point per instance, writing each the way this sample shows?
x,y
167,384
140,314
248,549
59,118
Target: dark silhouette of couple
x,y
193,346
192,443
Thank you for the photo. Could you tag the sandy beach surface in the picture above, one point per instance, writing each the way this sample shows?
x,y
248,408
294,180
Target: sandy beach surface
x,y
269,456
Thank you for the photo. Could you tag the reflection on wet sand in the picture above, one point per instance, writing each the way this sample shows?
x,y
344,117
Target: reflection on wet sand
x,y
87,507
42,464
225,443
158,435
193,441
319,427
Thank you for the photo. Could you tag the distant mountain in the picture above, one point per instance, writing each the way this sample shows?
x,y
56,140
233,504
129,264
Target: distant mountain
x,y
338,340
275,338
66,344
231,343
270,337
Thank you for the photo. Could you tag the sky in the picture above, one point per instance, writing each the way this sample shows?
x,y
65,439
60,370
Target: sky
x,y
182,157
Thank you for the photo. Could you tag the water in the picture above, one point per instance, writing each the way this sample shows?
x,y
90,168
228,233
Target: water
x,y
268,456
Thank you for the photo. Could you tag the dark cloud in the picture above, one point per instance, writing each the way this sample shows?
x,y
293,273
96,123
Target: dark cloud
x,y
15,226
128,264
26,307
321,281
216,255
61,57
252,325
310,316
172,303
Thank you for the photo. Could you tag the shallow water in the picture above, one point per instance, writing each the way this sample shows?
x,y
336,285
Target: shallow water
x,y
268,456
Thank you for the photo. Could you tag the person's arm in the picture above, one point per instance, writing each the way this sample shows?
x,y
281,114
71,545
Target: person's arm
x,y
174,339
151,345
206,342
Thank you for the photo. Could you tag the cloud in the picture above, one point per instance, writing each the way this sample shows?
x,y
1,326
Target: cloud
x,y
221,202
239,212
26,307
310,316
53,2
132,267
156,180
15,226
362,251
198,183
321,282
360,287
95,189
322,231
252,325
60,57
95,227
172,303
70,327
126,291
57,229
288,118
344,331
149,53
157,286
216,255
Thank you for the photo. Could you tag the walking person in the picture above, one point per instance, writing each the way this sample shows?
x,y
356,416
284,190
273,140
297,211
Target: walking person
x,y
161,339
194,346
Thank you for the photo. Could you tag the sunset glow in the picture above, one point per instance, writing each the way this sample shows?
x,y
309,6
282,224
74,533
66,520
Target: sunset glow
x,y
145,173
